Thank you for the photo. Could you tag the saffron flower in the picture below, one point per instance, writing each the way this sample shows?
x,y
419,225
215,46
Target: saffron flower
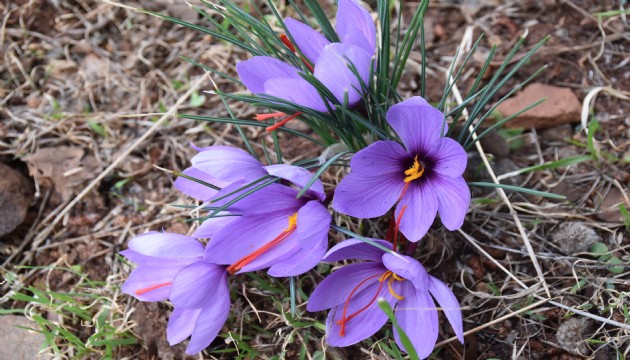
x,y
424,176
355,28
352,292
171,267
232,168
275,230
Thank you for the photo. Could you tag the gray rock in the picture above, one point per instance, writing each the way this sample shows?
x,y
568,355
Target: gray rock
x,y
19,343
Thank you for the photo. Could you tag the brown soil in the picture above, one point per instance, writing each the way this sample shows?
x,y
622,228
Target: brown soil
x,y
70,65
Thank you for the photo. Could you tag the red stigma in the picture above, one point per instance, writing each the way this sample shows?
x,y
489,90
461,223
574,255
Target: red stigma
x,y
151,288
238,265
285,40
276,126
400,215
344,318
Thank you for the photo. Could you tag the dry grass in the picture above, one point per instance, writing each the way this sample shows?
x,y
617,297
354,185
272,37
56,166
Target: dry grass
x,y
107,80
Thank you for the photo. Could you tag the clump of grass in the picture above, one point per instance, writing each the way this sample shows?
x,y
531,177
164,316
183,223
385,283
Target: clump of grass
x,y
84,321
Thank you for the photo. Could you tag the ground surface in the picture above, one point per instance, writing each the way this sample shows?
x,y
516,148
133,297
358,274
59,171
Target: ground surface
x,y
82,82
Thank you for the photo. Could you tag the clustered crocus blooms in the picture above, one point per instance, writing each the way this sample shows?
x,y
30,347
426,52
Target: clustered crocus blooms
x,y
353,290
356,30
274,229
424,176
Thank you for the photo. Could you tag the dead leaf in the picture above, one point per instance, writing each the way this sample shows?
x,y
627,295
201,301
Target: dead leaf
x,y
62,167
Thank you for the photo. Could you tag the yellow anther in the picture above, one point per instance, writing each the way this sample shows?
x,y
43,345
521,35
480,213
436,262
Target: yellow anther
x,y
397,277
415,171
391,290
292,222
385,275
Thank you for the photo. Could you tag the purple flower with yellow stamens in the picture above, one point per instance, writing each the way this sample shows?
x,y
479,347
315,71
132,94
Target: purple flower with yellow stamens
x,y
275,230
352,291
171,266
424,176
356,30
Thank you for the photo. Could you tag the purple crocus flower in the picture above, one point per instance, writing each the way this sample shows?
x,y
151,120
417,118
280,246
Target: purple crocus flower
x,y
268,75
275,230
171,267
233,168
352,292
424,176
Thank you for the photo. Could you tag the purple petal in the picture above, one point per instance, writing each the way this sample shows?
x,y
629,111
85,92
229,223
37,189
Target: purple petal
x,y
307,40
365,324
166,245
301,261
228,164
274,197
313,222
421,207
417,316
297,175
144,260
195,285
210,226
255,72
418,125
332,69
453,197
298,91
336,287
195,189
210,319
181,324
247,234
449,304
151,283
356,249
450,158
355,26
380,158
367,196
408,268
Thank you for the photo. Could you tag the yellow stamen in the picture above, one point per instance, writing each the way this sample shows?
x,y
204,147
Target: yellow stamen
x,y
391,290
415,171
392,277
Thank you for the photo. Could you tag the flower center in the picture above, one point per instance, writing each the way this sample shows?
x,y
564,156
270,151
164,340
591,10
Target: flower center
x,y
238,265
415,171
388,276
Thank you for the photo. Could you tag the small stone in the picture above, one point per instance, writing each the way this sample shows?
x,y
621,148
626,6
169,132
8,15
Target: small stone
x,y
574,237
16,194
609,207
572,334
19,343
560,107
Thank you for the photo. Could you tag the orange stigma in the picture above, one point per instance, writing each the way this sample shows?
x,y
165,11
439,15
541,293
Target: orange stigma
x,y
151,288
238,265
415,171
382,278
